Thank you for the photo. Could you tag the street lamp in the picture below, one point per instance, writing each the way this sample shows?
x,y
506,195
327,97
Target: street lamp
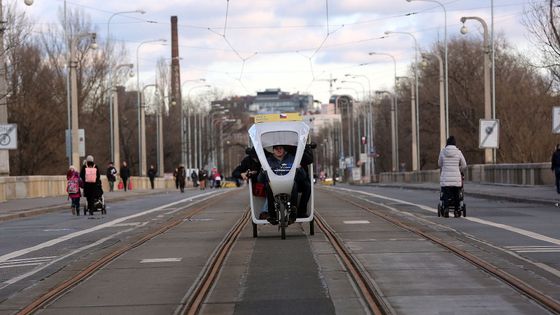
x,y
415,151
74,94
141,115
370,166
442,139
187,146
159,144
395,110
416,106
446,77
115,136
4,154
394,144
488,113
110,81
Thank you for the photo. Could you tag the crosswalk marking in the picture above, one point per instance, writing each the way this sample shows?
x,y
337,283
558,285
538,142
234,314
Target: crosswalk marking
x,y
34,261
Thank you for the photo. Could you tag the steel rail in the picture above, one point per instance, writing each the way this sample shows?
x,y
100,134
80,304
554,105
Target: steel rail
x,y
513,281
66,286
369,293
210,274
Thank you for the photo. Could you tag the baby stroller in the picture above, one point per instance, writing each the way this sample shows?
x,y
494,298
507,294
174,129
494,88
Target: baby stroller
x,y
452,197
95,202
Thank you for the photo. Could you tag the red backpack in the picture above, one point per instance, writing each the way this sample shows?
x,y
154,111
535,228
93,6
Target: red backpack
x,y
73,185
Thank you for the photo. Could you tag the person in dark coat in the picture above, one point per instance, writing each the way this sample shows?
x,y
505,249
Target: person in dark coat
x,y
555,166
152,175
125,174
91,177
111,176
181,177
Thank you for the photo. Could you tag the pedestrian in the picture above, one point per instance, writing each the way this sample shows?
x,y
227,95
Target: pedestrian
x,y
91,177
452,163
111,176
194,178
181,177
125,175
73,185
175,172
152,175
202,177
217,180
555,167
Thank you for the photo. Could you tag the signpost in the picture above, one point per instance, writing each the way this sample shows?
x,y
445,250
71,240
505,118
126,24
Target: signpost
x,y
489,132
8,137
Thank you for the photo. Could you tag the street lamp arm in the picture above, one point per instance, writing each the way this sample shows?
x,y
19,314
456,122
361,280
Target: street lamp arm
x,y
464,29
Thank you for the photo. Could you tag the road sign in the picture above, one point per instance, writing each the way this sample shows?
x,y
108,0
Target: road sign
x,y
8,137
489,133
556,119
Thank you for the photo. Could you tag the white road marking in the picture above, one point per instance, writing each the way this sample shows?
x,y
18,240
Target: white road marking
x,y
157,260
70,236
534,249
33,261
513,229
356,222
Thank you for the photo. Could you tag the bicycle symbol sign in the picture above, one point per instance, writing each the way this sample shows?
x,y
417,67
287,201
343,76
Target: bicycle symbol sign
x,y
8,137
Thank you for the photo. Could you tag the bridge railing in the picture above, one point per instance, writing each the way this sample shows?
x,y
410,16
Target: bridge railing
x,y
509,174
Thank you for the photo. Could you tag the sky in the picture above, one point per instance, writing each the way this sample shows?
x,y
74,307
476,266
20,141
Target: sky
x,y
299,46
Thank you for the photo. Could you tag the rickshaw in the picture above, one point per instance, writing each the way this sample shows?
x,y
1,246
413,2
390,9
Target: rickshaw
x,y
290,131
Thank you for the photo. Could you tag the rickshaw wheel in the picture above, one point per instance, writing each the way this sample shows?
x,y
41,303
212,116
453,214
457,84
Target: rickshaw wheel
x,y
312,227
254,230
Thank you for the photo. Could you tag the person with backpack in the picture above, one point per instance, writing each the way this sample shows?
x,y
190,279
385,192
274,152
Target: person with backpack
x,y
73,185
91,178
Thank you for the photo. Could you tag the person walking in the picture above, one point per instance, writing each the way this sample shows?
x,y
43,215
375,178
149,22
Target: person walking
x,y
125,175
194,178
452,163
91,177
181,177
175,172
555,167
152,175
202,177
111,176
73,185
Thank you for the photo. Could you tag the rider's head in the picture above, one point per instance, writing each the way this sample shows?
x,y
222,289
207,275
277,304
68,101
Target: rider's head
x,y
279,151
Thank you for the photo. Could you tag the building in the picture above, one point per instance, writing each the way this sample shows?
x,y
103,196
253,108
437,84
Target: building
x,y
276,101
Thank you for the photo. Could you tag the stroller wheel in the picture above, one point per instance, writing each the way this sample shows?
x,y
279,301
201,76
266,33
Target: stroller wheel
x,y
446,212
456,213
85,210
439,210
464,210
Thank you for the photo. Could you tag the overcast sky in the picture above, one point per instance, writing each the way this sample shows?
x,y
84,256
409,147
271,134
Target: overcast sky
x,y
245,46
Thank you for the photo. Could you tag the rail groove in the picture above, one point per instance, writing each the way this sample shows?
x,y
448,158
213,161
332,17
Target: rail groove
x,y
67,285
518,284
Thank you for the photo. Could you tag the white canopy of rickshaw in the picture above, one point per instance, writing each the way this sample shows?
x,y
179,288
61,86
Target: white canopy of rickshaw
x,y
267,134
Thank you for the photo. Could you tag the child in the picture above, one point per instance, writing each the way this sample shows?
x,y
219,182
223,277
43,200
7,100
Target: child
x,y
73,184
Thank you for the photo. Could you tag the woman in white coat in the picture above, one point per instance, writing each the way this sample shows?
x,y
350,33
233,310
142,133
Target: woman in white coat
x,y
452,163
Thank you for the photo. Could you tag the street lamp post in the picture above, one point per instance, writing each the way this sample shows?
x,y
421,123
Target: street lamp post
x,y
74,94
446,77
442,139
190,156
4,154
350,118
415,160
143,101
183,123
370,166
141,114
395,112
488,114
394,144
110,81
115,136
416,106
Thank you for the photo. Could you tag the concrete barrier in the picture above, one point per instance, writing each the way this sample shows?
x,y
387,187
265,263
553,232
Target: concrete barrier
x,y
509,174
18,187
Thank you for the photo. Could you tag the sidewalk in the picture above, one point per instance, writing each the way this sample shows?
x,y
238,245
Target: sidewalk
x,y
533,194
19,208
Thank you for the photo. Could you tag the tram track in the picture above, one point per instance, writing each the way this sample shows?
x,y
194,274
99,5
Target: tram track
x,y
67,285
511,280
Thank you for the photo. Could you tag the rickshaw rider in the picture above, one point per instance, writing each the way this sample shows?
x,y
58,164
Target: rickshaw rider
x,y
281,162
